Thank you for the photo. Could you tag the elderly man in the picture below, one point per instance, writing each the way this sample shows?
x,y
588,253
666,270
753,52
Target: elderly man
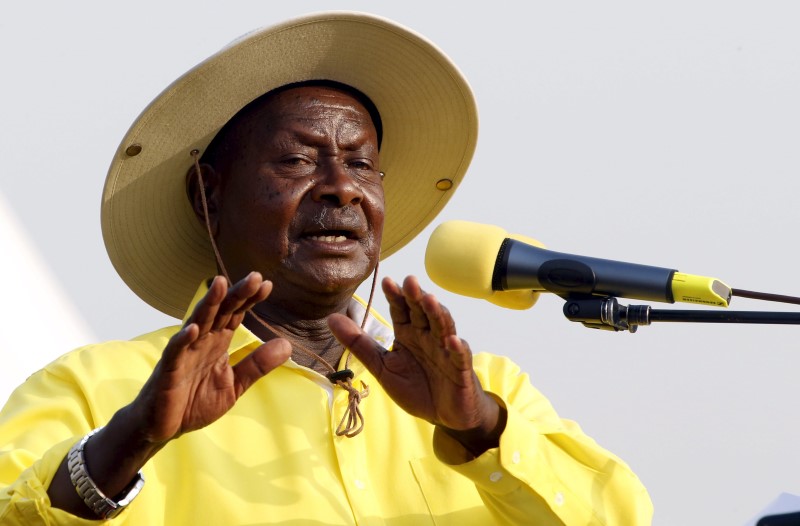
x,y
281,142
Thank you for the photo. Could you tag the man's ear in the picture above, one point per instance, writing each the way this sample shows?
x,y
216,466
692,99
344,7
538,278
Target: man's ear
x,y
211,184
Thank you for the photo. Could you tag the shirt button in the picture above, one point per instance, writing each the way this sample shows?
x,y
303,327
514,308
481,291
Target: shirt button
x,y
359,484
494,477
559,499
515,458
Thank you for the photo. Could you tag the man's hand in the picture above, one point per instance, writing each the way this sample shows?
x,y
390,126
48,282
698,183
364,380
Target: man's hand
x,y
193,384
429,371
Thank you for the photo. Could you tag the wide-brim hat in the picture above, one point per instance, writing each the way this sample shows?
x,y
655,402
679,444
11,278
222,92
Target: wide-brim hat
x,y
430,128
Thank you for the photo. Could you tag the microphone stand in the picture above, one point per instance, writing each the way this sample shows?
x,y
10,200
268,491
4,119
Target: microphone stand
x,y
605,312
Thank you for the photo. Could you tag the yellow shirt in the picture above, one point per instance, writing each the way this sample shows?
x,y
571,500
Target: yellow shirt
x,y
275,457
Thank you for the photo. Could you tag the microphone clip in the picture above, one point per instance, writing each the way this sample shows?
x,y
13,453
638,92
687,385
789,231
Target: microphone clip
x,y
605,312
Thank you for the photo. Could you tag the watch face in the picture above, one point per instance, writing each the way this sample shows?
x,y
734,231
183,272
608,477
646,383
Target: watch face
x,y
132,491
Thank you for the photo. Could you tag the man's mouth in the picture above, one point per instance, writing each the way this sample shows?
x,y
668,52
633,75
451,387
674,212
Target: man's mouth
x,y
335,227
329,239
331,236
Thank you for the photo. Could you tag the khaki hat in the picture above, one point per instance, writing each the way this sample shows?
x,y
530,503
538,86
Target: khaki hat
x,y
430,128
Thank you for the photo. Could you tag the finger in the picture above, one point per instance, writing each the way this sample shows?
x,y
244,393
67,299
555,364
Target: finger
x,y
439,317
413,295
179,343
368,351
237,294
459,351
240,297
260,362
262,292
398,310
435,350
206,310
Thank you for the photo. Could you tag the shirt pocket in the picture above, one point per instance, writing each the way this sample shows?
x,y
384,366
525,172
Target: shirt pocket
x,y
451,498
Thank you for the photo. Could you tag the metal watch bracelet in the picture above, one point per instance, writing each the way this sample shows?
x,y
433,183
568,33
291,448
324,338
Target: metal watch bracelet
x,y
95,499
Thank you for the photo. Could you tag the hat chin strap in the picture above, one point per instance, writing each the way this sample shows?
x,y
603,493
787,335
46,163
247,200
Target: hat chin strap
x,y
352,422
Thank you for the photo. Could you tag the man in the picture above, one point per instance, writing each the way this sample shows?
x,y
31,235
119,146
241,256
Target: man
x,y
308,151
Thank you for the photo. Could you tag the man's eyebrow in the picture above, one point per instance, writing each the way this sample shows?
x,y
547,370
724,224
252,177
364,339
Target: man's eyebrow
x,y
291,135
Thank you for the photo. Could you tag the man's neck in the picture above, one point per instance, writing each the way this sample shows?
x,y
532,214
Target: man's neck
x,y
313,344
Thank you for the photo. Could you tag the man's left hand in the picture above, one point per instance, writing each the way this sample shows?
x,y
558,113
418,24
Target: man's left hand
x,y
429,371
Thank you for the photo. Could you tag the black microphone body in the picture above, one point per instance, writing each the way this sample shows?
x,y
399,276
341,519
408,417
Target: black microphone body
x,y
485,261
523,266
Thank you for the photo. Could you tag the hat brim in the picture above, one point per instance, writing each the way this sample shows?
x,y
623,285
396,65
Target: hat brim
x,y
430,130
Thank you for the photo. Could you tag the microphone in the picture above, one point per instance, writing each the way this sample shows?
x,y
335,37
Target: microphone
x,y
485,261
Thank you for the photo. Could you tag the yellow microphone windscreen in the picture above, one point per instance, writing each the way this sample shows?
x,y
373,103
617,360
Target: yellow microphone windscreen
x,y
461,255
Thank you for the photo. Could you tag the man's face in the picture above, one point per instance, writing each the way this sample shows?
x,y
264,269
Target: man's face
x,y
301,197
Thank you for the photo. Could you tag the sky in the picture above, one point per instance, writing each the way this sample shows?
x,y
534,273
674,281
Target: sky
x,y
665,134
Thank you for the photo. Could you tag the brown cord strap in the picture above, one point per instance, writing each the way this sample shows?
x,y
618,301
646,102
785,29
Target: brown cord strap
x,y
353,415
343,378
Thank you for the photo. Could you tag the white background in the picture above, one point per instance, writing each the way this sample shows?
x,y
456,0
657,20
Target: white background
x,y
660,134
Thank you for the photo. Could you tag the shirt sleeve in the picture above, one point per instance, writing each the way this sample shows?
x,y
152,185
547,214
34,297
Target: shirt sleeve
x,y
42,419
546,470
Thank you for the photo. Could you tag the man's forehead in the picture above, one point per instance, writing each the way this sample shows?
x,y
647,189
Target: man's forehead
x,y
304,98
309,103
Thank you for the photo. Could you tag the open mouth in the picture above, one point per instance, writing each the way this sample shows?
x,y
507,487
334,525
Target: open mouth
x,y
331,236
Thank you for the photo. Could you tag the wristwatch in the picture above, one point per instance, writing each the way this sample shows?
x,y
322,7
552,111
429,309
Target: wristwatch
x,y
95,499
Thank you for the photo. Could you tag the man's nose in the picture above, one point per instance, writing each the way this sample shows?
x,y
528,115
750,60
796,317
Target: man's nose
x,y
336,185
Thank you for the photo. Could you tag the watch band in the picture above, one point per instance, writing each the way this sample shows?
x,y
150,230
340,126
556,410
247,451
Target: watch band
x,y
95,499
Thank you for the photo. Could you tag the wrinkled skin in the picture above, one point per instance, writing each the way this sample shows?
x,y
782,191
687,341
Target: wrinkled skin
x,y
310,170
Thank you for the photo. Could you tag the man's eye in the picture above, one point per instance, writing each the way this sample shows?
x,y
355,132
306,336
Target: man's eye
x,y
295,166
360,164
364,171
296,161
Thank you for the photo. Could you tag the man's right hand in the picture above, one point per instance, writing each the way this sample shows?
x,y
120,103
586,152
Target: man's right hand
x,y
192,385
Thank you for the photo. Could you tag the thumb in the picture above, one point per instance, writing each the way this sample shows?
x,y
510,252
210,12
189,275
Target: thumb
x,y
366,349
259,362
